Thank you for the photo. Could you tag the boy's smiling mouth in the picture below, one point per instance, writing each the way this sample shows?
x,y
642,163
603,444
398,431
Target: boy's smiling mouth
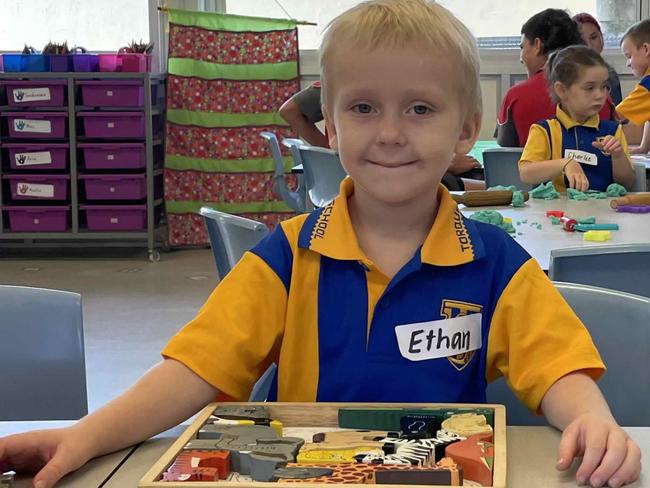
x,y
391,164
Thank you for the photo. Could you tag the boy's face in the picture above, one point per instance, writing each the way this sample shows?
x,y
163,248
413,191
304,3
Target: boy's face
x,y
638,58
396,119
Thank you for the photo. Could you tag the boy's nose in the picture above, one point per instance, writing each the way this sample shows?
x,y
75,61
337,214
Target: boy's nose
x,y
391,131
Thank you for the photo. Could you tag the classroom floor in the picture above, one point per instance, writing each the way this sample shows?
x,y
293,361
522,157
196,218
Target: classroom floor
x,y
131,307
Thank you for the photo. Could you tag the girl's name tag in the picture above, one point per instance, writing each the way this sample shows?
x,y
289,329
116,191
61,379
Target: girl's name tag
x,y
583,157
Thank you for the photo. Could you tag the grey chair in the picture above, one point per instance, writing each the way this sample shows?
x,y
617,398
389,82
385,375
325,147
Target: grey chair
x,y
322,170
43,372
623,267
640,178
294,199
501,167
230,237
619,324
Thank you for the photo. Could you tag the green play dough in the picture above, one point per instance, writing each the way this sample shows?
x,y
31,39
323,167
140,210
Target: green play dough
x,y
545,191
587,220
494,218
616,190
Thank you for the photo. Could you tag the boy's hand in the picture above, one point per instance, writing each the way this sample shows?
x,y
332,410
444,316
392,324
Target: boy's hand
x,y
462,163
576,176
609,145
52,453
609,455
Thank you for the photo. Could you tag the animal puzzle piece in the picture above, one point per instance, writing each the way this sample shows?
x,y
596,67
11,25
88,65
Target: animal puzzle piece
x,y
199,466
467,424
476,455
242,413
446,472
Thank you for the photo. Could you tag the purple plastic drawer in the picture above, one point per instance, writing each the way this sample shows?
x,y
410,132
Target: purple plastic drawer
x,y
38,187
35,93
113,156
32,125
38,219
115,217
114,187
27,157
119,93
113,124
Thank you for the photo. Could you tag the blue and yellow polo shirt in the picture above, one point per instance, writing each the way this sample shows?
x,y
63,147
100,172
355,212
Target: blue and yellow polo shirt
x,y
636,106
552,138
470,305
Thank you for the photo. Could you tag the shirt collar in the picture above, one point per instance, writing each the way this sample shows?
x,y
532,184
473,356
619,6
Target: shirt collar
x,y
452,240
569,123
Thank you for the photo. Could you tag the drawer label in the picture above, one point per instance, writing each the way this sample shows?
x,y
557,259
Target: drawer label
x,y
33,158
35,190
24,95
40,126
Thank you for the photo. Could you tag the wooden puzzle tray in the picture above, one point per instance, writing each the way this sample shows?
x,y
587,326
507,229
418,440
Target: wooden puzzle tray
x,y
209,449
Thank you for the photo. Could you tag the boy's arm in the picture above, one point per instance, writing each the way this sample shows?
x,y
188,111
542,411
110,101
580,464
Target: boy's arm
x,y
575,405
308,131
165,396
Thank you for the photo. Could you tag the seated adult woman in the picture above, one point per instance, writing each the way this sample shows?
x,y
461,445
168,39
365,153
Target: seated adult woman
x,y
529,101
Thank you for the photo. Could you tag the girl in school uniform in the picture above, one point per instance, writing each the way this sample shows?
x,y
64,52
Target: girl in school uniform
x,y
576,149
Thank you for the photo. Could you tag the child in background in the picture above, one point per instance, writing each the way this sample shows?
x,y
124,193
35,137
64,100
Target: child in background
x,y
575,148
635,108
360,289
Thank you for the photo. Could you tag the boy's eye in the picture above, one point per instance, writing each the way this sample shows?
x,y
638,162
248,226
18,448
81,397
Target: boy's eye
x,y
363,108
421,109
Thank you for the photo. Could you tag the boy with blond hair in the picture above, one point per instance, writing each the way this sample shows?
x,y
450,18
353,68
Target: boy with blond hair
x,y
382,282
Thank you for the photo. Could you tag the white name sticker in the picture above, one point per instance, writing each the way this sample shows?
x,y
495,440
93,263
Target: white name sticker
x,y
34,190
583,157
23,95
32,158
440,338
24,125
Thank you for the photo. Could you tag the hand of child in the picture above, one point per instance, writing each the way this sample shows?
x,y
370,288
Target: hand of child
x,y
609,455
576,176
609,145
462,163
52,453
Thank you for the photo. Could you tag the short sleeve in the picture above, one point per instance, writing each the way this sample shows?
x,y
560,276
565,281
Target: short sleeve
x,y
237,332
535,338
538,146
636,106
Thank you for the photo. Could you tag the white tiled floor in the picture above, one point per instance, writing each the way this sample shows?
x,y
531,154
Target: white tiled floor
x,y
131,307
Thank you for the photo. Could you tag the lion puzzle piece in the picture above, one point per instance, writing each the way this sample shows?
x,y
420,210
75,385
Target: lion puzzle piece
x,y
476,455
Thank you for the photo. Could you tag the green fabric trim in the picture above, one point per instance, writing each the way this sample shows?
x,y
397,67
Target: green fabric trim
x,y
175,207
287,70
227,22
218,119
262,165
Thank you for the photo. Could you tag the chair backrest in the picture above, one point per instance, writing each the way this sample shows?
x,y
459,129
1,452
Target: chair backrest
x,y
294,199
623,267
43,373
640,177
619,324
501,167
322,169
230,236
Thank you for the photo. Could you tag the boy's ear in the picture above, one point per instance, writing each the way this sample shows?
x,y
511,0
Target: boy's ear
x,y
646,49
331,128
468,134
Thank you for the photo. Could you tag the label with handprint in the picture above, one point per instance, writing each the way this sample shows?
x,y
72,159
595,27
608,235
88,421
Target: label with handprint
x,y
27,125
26,189
33,158
23,95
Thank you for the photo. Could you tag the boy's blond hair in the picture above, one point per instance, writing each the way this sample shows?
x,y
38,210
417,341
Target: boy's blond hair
x,y
639,33
415,23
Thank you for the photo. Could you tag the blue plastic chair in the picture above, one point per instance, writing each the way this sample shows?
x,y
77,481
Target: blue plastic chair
x,y
501,167
623,267
230,237
619,324
322,170
43,373
294,199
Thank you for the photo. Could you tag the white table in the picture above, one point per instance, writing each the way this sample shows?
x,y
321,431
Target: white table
x,y
633,228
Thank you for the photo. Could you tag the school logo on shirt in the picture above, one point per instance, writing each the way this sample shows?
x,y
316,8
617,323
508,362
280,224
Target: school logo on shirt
x,y
454,308
456,337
